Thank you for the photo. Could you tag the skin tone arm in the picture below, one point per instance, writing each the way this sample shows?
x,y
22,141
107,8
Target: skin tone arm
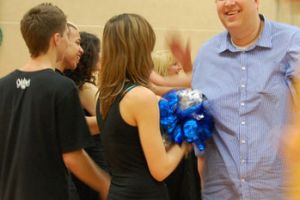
x,y
291,151
93,125
82,166
87,95
161,85
291,139
181,53
147,122
172,81
291,146
160,90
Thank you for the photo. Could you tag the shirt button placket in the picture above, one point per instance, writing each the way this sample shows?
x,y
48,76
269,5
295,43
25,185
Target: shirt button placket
x,y
243,124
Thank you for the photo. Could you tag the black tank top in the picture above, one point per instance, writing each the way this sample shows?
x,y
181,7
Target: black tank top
x,y
131,179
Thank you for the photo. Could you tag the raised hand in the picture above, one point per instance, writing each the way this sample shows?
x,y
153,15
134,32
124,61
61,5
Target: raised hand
x,y
181,53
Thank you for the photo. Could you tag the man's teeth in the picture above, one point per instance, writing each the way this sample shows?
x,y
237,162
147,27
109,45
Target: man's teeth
x,y
232,13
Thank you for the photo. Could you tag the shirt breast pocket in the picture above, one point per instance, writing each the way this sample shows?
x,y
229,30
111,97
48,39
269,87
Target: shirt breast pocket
x,y
271,88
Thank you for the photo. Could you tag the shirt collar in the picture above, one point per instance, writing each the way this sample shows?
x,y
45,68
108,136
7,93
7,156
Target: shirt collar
x,y
58,71
265,39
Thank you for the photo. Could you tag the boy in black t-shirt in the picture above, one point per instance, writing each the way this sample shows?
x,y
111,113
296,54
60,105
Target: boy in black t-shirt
x,y
76,54
42,127
72,57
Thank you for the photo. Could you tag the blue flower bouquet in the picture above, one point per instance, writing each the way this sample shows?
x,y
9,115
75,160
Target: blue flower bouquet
x,y
183,117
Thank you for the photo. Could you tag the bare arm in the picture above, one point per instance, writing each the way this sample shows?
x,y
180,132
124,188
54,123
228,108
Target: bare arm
x,y
88,99
171,81
149,132
181,53
291,146
291,150
93,125
160,90
82,166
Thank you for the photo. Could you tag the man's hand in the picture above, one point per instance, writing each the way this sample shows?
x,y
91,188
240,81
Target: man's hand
x,y
181,53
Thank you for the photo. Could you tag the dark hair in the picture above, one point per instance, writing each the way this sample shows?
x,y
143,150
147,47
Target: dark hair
x,y
39,24
83,73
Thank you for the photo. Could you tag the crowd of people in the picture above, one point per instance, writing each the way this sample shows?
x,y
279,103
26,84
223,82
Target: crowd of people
x,y
80,120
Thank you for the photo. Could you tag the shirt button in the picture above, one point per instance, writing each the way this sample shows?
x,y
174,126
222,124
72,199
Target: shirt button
x,y
243,161
243,180
243,122
243,141
243,85
243,68
242,103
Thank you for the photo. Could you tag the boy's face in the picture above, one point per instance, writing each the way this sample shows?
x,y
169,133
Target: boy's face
x,y
62,45
74,50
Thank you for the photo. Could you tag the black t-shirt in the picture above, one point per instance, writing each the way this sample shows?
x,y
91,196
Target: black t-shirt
x,y
40,118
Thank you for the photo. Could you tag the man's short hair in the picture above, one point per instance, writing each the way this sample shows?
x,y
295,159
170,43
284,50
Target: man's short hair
x,y
39,24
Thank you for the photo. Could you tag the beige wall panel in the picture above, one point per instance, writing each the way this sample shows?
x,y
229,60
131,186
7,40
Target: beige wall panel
x,y
295,12
197,39
161,13
13,52
289,11
284,11
268,8
194,19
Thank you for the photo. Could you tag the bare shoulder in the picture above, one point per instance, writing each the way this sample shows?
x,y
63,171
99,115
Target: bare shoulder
x,y
141,93
140,96
133,104
88,86
88,89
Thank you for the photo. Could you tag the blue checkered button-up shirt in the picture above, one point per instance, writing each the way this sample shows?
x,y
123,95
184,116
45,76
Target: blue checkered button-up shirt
x,y
249,92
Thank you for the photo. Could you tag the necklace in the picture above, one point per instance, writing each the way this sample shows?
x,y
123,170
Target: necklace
x,y
253,41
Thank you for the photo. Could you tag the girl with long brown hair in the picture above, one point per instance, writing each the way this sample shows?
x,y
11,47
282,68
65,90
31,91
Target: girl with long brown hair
x,y
128,113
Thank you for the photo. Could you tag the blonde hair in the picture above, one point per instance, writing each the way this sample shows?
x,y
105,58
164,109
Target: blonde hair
x,y
162,60
128,40
72,25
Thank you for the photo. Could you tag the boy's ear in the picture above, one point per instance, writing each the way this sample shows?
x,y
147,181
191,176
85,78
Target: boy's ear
x,y
56,38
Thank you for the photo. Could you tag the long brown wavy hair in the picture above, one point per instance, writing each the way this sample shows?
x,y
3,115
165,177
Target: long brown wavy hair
x,y
128,40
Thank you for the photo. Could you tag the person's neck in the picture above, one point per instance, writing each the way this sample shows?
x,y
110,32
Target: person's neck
x,y
38,63
59,66
249,37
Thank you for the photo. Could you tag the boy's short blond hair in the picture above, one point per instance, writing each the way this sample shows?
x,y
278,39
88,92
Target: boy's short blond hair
x,y
72,25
